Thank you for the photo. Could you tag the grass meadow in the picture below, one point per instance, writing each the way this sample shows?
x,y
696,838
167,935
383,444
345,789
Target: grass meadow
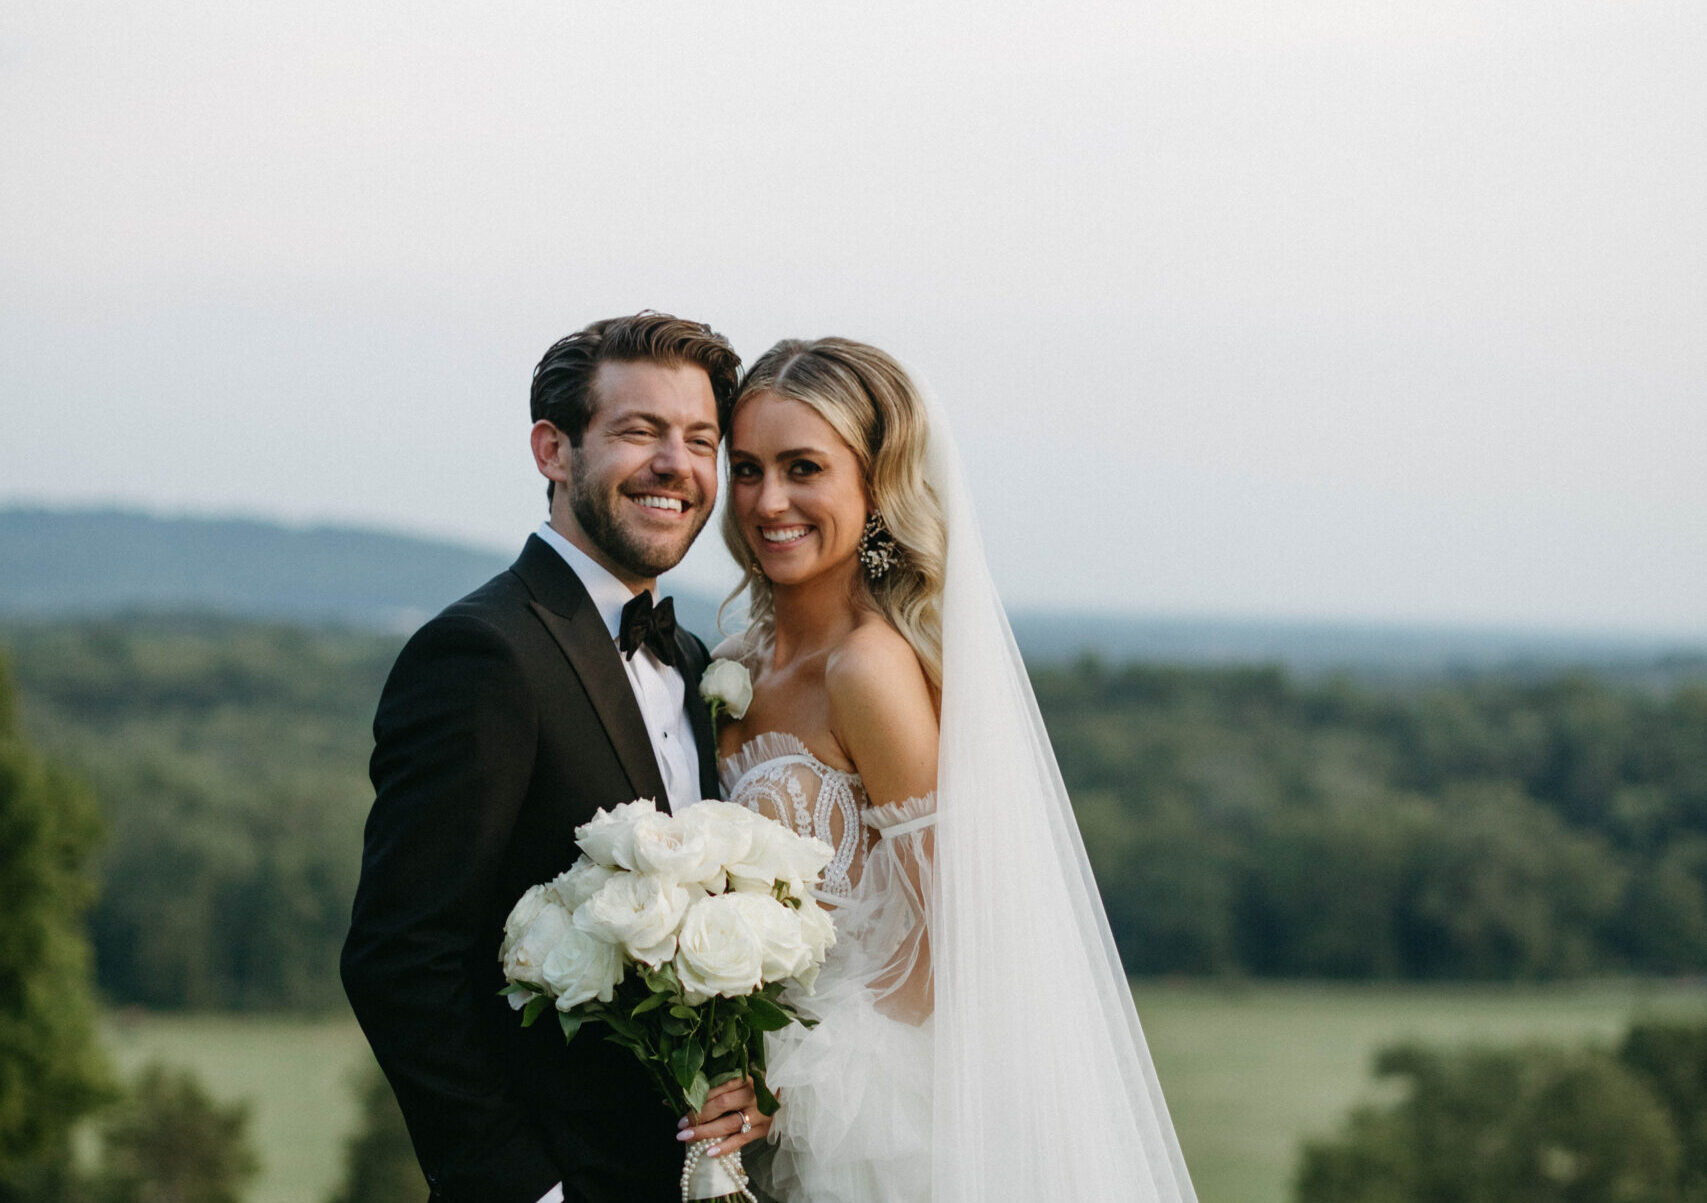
x,y
1249,1071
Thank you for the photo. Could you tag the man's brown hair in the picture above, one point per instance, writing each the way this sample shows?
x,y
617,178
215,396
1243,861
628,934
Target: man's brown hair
x,y
563,381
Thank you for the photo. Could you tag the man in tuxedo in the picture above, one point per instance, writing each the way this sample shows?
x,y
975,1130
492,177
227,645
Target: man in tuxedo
x,y
554,689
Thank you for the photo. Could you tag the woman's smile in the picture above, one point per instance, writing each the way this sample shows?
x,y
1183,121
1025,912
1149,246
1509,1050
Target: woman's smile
x,y
777,536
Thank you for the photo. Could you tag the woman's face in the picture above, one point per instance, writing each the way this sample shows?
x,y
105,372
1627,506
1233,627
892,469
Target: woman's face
x,y
796,490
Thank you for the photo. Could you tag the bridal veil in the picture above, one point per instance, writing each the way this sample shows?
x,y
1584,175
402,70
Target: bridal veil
x,y
1044,1086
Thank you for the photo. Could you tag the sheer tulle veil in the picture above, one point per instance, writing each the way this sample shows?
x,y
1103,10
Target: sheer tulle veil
x,y
1044,1086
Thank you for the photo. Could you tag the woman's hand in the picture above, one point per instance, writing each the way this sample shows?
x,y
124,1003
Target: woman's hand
x,y
728,1110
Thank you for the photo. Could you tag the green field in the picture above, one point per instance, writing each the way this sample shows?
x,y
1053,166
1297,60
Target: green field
x,y
1248,1071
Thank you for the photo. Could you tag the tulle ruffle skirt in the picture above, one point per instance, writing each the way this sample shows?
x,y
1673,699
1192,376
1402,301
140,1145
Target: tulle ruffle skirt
x,y
855,1121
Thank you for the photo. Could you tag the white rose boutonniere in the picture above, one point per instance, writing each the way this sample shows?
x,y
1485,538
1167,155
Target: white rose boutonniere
x,y
726,685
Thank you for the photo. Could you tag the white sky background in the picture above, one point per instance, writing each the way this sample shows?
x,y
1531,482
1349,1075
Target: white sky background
x,y
1388,311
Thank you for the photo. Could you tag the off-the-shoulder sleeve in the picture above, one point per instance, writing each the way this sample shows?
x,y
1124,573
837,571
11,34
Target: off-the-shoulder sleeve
x,y
894,819
901,872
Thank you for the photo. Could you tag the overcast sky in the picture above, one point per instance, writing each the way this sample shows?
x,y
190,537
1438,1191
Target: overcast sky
x,y
1390,311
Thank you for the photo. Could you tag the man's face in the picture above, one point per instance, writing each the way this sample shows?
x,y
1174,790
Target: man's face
x,y
644,479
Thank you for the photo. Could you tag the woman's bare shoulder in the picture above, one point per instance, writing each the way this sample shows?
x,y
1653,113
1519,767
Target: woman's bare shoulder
x,y
881,712
872,655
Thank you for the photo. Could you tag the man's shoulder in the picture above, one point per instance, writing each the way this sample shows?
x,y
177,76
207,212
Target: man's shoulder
x,y
505,603
497,614
502,596
496,609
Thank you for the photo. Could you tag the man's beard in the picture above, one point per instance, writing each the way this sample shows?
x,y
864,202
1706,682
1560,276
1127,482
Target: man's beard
x,y
596,513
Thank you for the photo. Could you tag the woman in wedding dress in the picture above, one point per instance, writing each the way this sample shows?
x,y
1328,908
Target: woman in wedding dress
x,y
975,1035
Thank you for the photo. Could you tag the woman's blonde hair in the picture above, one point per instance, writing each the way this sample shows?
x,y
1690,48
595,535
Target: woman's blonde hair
x,y
868,399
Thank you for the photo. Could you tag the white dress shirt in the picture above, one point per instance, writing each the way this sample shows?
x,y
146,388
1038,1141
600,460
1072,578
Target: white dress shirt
x,y
658,687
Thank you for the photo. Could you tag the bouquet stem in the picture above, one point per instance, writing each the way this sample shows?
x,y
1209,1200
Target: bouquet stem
x,y
716,1178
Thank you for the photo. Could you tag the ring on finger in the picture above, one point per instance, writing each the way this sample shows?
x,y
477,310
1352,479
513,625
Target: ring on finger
x,y
746,1124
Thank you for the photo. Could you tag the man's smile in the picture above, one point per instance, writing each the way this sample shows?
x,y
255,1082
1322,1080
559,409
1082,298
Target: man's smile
x,y
658,501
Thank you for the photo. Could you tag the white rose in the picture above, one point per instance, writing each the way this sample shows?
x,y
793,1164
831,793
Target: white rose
x,y
786,951
778,854
666,847
819,933
580,881
719,951
524,959
581,967
637,912
726,832
522,914
727,685
609,837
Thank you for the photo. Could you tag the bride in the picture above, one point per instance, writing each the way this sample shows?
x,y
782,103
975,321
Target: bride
x,y
976,1038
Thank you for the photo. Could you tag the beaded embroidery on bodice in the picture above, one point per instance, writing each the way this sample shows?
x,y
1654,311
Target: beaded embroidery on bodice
x,y
776,775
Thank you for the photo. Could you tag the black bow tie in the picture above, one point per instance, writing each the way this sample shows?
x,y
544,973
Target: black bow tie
x,y
646,625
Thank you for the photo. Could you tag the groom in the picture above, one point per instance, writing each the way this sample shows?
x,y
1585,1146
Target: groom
x,y
550,691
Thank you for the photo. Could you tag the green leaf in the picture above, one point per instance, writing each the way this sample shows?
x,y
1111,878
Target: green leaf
x,y
650,1003
766,1016
570,1023
532,1011
731,1034
767,1100
697,1091
685,1063
683,1011
520,988
625,1026
661,980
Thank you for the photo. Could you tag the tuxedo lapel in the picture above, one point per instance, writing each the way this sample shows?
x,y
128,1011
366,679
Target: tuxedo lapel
x,y
693,661
562,605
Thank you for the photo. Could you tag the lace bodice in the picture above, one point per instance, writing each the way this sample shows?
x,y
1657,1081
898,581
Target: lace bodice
x,y
776,775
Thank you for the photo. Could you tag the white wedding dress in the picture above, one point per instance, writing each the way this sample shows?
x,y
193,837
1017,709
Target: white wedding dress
x,y
855,1125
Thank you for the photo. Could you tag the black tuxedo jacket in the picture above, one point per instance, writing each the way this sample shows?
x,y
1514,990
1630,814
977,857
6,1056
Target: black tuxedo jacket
x,y
507,720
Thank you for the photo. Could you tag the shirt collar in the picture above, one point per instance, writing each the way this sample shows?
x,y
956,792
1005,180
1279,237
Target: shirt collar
x,y
609,595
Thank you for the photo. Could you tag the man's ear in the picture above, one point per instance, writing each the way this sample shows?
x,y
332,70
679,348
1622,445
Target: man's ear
x,y
550,451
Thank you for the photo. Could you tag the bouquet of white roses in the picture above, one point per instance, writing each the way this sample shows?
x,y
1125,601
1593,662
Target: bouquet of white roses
x,y
679,933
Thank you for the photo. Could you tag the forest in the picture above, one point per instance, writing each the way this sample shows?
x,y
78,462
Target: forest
x,y
1513,824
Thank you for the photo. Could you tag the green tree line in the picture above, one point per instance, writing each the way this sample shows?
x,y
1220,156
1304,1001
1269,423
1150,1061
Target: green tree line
x,y
1498,826
230,762
1241,820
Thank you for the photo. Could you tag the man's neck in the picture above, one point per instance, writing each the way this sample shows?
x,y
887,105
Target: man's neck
x,y
566,526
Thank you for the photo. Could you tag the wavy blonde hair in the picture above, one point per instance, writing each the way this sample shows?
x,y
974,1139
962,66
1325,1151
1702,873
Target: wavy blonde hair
x,y
868,399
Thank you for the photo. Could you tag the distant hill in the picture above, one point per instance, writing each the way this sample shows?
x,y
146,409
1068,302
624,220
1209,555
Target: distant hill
x,y
1366,649
56,563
